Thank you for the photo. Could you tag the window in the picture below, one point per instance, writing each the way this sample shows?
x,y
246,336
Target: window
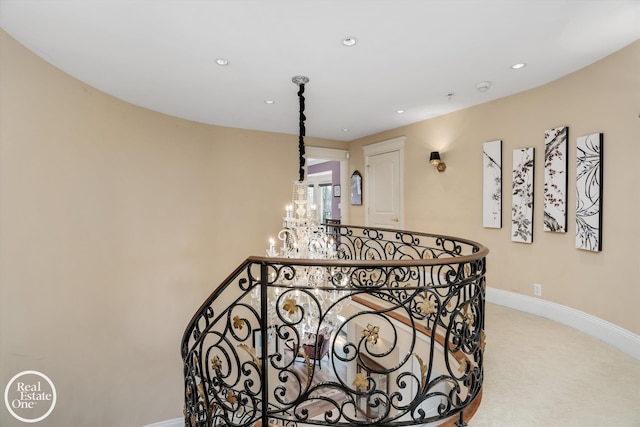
x,y
321,194
326,201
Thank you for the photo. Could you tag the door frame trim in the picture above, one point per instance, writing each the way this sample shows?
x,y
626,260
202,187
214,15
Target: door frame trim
x,y
388,146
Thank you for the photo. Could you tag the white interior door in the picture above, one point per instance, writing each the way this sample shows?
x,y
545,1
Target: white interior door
x,y
384,184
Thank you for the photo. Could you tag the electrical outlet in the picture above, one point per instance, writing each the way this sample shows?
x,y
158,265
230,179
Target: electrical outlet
x,y
537,289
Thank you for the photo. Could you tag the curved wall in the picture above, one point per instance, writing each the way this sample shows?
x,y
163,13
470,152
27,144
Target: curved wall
x,y
602,97
115,224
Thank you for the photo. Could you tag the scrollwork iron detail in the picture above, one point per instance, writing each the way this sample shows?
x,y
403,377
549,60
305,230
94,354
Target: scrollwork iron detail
x,y
391,333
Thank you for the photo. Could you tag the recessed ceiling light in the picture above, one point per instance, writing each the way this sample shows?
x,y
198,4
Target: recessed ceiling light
x,y
345,130
399,111
222,61
518,66
349,41
269,101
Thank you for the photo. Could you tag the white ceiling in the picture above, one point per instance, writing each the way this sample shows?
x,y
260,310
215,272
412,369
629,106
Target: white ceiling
x,y
160,54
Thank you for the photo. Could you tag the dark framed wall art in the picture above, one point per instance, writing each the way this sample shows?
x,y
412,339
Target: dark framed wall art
x,y
555,179
589,192
356,188
522,195
492,184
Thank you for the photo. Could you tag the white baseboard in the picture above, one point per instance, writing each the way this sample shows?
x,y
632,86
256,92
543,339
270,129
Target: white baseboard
x,y
176,422
613,335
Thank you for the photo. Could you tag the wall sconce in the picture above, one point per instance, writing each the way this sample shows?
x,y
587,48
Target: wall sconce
x,y
437,163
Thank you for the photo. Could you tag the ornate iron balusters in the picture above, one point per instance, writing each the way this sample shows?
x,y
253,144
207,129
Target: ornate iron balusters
x,y
397,323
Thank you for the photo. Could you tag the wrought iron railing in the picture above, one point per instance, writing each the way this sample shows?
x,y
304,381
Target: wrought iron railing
x,y
397,323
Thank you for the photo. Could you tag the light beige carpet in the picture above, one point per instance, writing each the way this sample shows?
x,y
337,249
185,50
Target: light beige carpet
x,y
542,373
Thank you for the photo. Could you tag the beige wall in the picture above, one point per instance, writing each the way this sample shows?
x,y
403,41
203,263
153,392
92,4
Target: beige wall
x,y
115,224
603,97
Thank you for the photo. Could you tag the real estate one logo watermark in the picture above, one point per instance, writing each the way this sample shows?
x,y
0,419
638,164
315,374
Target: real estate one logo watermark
x,y
30,396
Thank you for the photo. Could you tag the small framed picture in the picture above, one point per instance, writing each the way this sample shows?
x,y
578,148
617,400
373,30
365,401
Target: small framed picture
x,y
336,191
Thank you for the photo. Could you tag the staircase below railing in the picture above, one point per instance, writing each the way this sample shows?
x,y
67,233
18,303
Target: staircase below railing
x,y
391,333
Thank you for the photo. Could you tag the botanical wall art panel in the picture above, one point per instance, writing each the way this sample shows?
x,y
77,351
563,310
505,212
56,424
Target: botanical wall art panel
x,y
492,184
555,179
522,197
589,192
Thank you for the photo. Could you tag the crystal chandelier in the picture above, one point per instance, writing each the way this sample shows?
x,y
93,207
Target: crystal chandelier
x,y
304,237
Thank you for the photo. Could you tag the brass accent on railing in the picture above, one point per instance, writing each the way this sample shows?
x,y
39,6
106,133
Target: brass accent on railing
x,y
393,336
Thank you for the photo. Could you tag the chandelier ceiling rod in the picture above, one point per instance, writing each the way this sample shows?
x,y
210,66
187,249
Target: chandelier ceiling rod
x,y
301,81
